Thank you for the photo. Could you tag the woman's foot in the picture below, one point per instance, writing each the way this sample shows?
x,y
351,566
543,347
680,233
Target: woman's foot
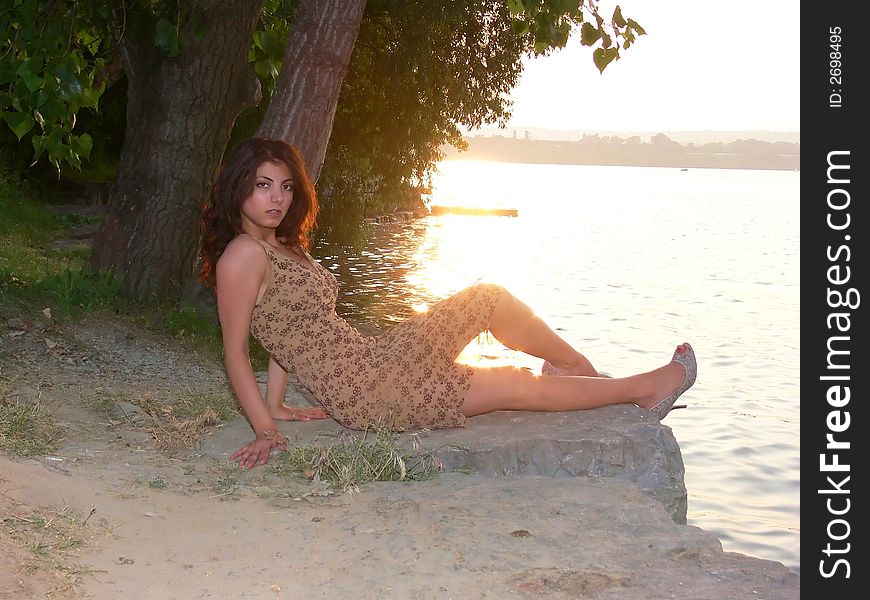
x,y
297,413
670,381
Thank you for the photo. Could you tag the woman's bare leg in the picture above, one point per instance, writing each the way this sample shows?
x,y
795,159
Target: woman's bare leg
x,y
510,388
516,326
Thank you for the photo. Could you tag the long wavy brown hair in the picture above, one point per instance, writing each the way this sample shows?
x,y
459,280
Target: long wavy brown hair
x,y
222,211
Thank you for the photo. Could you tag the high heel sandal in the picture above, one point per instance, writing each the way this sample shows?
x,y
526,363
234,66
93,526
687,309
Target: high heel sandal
x,y
548,369
690,364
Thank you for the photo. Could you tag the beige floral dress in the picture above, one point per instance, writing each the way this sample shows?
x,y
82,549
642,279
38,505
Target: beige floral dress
x,y
404,378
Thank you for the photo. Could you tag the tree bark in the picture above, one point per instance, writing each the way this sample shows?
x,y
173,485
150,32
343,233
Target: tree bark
x,y
318,51
180,112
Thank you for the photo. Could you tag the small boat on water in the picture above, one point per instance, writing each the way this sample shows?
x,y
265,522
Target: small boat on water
x,y
472,210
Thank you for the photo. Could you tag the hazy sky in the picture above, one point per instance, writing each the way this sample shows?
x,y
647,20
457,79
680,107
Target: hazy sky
x,y
703,65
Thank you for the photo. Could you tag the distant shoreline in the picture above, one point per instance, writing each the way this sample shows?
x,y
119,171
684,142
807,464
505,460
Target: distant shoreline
x,y
660,151
697,137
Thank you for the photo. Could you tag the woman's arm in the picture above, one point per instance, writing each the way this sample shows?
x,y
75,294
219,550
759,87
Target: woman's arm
x,y
276,386
240,273
276,389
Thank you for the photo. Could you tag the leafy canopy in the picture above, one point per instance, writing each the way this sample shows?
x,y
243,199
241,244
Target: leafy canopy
x,y
420,68
51,58
419,71
550,23
57,58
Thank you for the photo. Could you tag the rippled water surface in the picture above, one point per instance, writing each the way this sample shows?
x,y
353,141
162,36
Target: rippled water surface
x,y
626,262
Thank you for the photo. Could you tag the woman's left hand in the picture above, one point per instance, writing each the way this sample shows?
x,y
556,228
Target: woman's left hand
x,y
258,452
298,413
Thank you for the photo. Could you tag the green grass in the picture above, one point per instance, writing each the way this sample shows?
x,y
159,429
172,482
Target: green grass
x,y
186,324
21,216
156,482
33,276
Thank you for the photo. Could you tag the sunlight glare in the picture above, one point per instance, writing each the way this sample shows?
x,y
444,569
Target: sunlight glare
x,y
460,250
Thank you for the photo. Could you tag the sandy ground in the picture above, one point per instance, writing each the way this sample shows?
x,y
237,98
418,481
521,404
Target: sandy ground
x,y
113,479
115,514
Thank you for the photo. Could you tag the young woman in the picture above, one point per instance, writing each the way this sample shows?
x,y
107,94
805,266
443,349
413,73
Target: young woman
x,y
254,252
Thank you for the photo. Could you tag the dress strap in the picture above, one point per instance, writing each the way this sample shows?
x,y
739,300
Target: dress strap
x,y
263,243
310,264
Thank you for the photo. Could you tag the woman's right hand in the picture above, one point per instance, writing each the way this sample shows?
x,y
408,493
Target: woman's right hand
x,y
258,451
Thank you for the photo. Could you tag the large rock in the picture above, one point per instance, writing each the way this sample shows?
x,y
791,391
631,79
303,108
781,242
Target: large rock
x,y
621,442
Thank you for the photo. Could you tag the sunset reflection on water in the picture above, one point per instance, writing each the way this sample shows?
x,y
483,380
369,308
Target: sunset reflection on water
x,y
624,263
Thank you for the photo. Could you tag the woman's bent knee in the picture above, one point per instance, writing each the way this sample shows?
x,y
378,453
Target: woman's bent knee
x,y
490,290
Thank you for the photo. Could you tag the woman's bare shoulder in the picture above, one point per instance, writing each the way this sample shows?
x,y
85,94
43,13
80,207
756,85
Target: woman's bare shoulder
x,y
242,251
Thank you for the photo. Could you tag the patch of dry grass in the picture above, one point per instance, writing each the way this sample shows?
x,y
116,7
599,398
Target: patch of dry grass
x,y
26,428
175,425
171,429
354,459
53,539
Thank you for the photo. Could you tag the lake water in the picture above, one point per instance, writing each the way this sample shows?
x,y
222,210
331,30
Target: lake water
x,y
625,263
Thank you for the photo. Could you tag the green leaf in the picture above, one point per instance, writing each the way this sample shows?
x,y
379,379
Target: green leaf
x,y
91,97
38,147
603,57
274,42
7,72
516,7
519,27
72,158
54,109
86,37
617,17
559,34
263,68
31,80
19,123
69,85
541,46
589,34
27,12
41,98
543,21
634,25
566,6
82,144
258,40
53,139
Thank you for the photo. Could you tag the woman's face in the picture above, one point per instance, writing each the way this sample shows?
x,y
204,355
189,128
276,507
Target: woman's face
x,y
269,201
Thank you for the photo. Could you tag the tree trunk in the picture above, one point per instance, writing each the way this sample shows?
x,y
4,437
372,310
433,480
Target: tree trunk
x,y
315,62
180,112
